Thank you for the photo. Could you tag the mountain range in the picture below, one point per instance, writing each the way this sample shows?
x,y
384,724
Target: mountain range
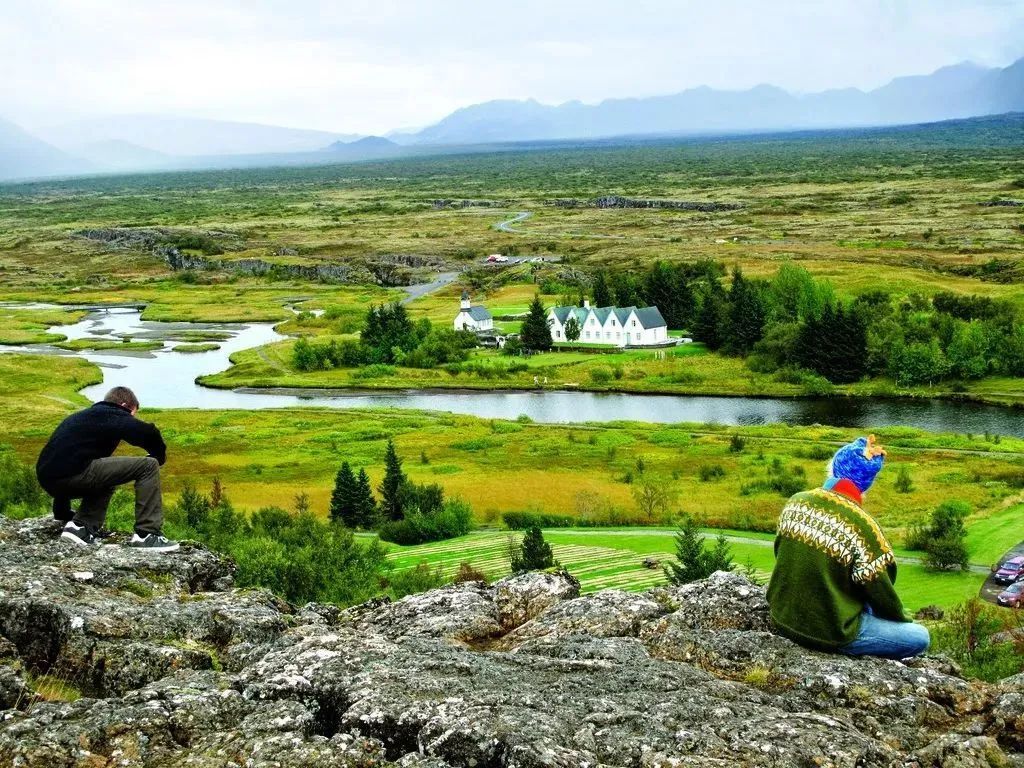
x,y
156,142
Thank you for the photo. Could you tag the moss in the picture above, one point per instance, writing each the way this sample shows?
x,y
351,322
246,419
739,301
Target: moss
x,y
139,588
54,688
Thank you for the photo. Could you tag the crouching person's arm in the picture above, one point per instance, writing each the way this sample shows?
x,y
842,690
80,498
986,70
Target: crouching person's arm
x,y
146,436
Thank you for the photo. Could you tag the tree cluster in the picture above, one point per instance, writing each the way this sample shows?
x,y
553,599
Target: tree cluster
x,y
943,537
694,561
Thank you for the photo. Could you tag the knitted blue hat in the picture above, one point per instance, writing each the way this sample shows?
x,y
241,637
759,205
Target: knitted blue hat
x,y
855,463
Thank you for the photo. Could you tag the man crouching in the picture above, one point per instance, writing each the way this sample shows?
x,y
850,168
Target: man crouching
x,y
78,463
832,587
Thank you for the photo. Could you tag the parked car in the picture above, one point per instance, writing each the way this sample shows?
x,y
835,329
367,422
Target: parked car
x,y
1012,596
1010,571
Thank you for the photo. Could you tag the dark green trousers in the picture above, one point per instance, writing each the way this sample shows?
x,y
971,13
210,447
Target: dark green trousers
x,y
96,484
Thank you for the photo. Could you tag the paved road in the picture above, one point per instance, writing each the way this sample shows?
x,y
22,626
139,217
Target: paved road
x,y
990,589
507,225
422,289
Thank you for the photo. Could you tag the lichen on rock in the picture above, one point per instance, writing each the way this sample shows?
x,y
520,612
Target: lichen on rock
x,y
175,667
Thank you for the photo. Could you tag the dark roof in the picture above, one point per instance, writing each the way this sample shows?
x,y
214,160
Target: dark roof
x,y
650,317
479,313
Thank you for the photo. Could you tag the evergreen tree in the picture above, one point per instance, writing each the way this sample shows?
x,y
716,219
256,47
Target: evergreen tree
x,y
534,554
391,487
343,497
602,295
535,333
709,322
365,504
572,329
627,293
746,314
693,561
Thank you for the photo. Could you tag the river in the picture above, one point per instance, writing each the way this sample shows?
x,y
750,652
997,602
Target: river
x,y
166,379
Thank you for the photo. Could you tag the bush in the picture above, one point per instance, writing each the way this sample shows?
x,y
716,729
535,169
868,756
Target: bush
x,y
521,521
736,444
467,573
943,538
453,519
710,472
413,580
904,484
600,375
970,635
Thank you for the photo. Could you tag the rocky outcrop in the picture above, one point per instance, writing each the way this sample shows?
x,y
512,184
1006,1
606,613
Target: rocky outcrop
x,y
617,201
176,667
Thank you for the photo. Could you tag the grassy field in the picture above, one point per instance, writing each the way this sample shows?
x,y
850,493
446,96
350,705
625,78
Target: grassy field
x,y
603,559
899,210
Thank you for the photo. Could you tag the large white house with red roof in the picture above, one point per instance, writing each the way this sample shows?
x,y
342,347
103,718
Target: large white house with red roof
x,y
617,326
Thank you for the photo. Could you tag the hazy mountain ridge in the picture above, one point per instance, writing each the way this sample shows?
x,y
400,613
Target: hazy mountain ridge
x,y
962,90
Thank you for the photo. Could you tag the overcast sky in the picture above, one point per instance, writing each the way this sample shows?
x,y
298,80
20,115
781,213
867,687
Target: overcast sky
x,y
375,65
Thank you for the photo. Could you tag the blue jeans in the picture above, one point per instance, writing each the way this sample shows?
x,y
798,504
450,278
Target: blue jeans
x,y
888,639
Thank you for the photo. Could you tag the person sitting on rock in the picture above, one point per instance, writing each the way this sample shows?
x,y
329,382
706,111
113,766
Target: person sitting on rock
x,y
832,587
78,463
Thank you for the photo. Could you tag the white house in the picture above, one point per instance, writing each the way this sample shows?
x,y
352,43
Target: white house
x,y
472,318
618,326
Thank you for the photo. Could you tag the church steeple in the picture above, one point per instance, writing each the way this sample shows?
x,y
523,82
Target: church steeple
x,y
465,300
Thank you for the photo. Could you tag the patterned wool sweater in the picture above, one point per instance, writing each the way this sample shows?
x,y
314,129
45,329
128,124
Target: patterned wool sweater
x,y
831,561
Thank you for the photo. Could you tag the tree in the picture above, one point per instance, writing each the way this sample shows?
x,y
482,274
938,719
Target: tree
x,y
652,495
365,504
343,497
391,487
304,358
572,329
602,295
535,333
746,314
710,321
945,545
693,560
195,505
534,554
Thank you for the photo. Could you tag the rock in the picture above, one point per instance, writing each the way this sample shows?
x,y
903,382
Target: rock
x,y
177,671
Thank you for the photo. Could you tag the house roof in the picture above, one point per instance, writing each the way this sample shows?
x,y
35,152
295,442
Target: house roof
x,y
479,313
649,317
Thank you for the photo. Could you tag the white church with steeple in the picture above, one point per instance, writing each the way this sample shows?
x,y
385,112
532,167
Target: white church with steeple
x,y
472,318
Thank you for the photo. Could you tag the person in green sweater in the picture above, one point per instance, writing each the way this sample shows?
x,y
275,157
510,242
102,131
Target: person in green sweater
x,y
832,587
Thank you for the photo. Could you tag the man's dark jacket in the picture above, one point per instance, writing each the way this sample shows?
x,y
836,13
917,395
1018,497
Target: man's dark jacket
x,y
94,434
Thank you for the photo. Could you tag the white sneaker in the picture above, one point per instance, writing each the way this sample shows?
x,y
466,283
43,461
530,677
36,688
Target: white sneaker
x,y
77,534
154,542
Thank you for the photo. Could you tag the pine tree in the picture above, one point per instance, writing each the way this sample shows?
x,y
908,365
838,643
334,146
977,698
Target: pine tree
x,y
343,497
365,504
534,555
693,561
708,325
746,314
602,296
391,486
535,333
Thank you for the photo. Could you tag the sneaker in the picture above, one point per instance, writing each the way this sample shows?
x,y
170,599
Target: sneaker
x,y
77,534
154,542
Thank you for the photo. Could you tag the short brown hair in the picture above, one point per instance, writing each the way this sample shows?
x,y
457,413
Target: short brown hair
x,y
122,396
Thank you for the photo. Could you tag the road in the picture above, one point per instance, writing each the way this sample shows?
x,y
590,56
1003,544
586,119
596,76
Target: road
x,y
422,289
990,589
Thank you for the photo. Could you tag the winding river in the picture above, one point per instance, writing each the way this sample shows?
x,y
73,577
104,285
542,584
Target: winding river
x,y
164,378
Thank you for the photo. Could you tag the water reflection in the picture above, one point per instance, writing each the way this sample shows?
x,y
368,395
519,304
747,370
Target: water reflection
x,y
166,379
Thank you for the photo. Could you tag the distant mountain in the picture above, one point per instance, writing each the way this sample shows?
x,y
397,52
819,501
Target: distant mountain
x,y
117,155
368,146
963,90
190,136
22,155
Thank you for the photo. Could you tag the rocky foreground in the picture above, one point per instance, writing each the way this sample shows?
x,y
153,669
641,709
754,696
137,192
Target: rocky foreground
x,y
177,668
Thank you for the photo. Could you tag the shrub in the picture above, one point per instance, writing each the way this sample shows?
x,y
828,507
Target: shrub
x,y
971,636
708,472
600,375
412,580
453,519
468,573
737,443
904,484
943,537
521,521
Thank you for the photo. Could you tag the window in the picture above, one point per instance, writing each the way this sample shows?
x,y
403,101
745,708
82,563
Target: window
x,y
634,323
607,334
588,334
618,335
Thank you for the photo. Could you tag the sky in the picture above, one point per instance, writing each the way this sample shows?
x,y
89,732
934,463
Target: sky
x,y
356,66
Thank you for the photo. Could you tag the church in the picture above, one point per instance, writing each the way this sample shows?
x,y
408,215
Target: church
x,y
472,318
